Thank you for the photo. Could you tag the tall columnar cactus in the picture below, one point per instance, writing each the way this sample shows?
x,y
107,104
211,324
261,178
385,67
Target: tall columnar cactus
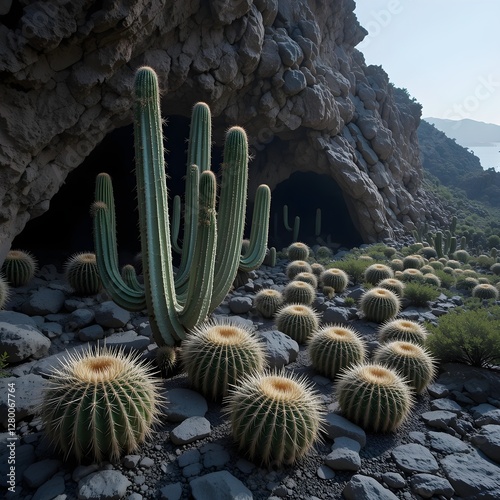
x,y
209,264
296,224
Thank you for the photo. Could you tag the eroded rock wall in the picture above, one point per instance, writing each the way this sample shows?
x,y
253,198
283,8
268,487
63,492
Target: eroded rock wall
x,y
286,71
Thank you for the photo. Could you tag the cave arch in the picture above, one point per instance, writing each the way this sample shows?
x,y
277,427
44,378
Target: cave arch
x,y
304,193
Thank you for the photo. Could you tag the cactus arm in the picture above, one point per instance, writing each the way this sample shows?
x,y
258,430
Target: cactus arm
x,y
231,214
200,137
176,224
105,250
438,244
260,228
296,227
201,279
153,212
285,218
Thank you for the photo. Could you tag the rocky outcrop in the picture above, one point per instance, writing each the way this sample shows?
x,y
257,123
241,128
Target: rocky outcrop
x,y
286,71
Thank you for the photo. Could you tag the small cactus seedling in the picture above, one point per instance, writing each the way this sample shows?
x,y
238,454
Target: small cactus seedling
x,y
299,292
100,403
298,321
307,278
374,397
335,347
167,360
298,251
379,304
377,272
19,267
410,360
336,278
4,291
267,302
404,330
275,417
394,285
217,355
82,274
296,267
485,291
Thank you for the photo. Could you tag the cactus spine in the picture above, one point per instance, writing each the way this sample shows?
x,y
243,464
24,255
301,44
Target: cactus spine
x,y
208,264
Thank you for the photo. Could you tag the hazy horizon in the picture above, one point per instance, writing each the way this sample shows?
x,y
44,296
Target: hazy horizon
x,y
442,52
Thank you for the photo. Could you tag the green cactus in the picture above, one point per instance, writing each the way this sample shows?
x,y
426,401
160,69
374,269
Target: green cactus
x,y
296,224
298,321
317,269
335,278
4,291
323,253
309,278
270,258
267,302
129,276
495,268
410,360
374,397
100,403
453,225
298,251
463,243
296,267
413,262
412,275
494,253
404,330
335,347
462,256
438,266
485,291
431,279
377,272
208,266
275,417
82,274
167,360
379,304
19,267
299,292
219,354
428,252
317,225
394,285
396,264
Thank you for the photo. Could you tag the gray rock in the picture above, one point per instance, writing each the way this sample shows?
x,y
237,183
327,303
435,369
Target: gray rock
x,y
336,315
25,456
439,419
344,455
22,341
471,476
191,429
131,461
294,81
488,441
447,405
51,329
446,444
92,332
366,488
394,480
280,348
146,462
16,318
414,458
27,395
428,485
418,437
44,301
171,492
111,315
189,457
44,366
40,472
182,404
240,304
325,472
485,413
80,318
51,489
220,485
337,426
128,341
80,471
103,485
216,458
477,389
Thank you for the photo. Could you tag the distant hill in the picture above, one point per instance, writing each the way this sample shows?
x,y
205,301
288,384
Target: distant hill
x,y
468,133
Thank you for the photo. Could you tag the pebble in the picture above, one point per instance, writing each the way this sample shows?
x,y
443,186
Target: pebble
x,y
428,485
191,429
220,485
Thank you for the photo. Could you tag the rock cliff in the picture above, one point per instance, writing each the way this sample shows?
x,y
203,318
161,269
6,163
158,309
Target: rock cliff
x,y
286,71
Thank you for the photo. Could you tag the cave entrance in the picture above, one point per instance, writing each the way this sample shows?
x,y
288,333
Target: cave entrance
x,y
66,228
304,193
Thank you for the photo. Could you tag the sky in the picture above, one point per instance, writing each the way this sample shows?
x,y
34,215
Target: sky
x,y
445,52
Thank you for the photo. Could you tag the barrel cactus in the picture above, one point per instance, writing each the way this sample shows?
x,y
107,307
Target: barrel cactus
x,y
307,278
267,302
485,291
396,264
412,275
218,354
317,269
275,417
4,291
335,347
394,285
410,360
335,278
404,330
379,304
431,279
82,274
374,397
19,267
167,359
299,292
495,268
413,262
377,272
298,251
297,266
298,321
100,403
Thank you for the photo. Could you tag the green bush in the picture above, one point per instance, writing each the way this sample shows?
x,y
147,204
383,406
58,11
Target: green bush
x,y
467,336
419,294
355,268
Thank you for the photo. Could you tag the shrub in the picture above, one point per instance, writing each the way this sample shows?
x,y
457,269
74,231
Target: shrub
x,y
467,336
420,294
355,268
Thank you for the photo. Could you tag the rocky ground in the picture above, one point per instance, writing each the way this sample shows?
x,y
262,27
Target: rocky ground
x,y
448,448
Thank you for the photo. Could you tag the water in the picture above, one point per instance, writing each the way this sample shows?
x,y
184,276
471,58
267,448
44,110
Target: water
x,y
488,155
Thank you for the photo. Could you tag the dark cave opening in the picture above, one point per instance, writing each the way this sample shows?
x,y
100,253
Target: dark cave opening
x,y
304,193
66,227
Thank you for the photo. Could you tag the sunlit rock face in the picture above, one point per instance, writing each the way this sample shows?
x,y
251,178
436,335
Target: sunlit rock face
x,y
286,71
